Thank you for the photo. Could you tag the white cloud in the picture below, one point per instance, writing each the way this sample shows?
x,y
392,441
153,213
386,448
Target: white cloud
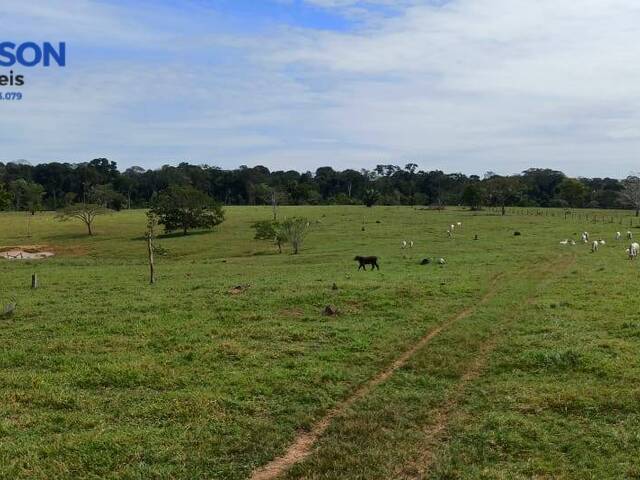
x,y
470,85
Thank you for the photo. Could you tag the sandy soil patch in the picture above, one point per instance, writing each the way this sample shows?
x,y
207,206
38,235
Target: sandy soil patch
x,y
26,252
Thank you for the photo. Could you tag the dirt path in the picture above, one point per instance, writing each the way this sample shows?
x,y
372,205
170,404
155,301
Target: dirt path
x,y
443,415
302,444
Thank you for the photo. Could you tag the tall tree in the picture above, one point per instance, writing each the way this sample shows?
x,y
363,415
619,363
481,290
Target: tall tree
x,y
503,191
5,197
631,192
472,196
85,212
573,192
370,197
186,208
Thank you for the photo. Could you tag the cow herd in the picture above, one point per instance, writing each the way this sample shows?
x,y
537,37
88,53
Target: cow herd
x,y
632,250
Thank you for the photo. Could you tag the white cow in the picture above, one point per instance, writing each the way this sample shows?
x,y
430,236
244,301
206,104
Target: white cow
x,y
633,250
618,235
410,243
584,237
594,246
459,224
564,242
403,245
602,242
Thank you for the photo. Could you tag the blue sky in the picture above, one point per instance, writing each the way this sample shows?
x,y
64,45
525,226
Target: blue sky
x,y
459,85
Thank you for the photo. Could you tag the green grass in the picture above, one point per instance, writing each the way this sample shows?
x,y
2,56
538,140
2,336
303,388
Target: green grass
x,y
105,376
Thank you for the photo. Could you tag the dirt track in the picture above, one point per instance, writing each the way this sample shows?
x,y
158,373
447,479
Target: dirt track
x,y
300,448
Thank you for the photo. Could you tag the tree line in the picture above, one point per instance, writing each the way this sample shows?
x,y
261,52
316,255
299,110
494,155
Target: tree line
x,y
55,185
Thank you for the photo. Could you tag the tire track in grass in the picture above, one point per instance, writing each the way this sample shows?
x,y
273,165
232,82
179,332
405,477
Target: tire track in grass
x,y
442,417
301,446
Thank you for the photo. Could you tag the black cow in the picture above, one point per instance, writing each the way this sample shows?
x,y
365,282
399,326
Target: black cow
x,y
364,261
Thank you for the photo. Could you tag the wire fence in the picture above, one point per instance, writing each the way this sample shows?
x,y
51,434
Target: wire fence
x,y
628,219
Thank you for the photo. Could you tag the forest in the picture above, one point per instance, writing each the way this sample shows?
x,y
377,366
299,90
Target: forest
x,y
51,186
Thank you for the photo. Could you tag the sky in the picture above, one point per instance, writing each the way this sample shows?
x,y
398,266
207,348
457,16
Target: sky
x,y
458,85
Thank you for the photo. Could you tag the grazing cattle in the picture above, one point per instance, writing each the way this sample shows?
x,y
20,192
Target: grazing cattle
x,y
629,235
633,250
602,242
585,237
459,224
594,246
364,261
516,234
564,242
452,227
618,235
425,261
403,244
442,261
411,244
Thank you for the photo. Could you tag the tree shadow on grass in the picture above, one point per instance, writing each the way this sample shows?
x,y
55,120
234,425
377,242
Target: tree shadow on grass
x,y
165,236
75,236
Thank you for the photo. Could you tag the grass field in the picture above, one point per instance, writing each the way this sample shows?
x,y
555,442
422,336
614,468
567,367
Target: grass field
x,y
519,358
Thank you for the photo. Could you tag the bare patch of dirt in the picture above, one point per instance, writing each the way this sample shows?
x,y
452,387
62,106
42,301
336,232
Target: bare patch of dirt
x,y
48,250
302,444
239,289
26,252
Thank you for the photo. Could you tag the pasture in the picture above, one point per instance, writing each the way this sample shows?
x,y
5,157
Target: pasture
x,y
518,358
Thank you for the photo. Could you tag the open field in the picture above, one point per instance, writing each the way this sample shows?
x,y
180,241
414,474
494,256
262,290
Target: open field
x,y
519,358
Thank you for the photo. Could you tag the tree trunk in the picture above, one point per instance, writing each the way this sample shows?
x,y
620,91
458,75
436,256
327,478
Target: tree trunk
x,y
637,212
89,228
503,210
152,276
274,205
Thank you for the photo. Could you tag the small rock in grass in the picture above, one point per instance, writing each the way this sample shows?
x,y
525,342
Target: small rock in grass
x,y
238,289
330,311
8,309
